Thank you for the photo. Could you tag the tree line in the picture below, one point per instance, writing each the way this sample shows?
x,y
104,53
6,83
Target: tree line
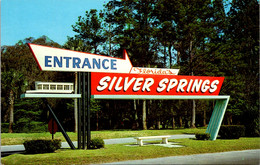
x,y
199,37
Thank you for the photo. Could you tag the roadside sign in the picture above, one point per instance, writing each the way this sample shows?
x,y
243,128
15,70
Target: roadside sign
x,y
115,78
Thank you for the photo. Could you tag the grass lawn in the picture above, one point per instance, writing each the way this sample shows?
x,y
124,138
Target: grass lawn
x,y
120,152
19,138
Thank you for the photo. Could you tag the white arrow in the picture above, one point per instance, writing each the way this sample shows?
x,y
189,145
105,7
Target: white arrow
x,y
56,59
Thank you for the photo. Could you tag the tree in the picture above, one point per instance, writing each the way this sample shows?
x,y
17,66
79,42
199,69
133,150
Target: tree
x,y
13,82
29,116
90,30
19,71
132,26
242,63
187,27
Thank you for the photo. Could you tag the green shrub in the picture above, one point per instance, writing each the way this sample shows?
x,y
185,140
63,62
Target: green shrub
x,y
41,146
232,131
202,136
57,143
97,143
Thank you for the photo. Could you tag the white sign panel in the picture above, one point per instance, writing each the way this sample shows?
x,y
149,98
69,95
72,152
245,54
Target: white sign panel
x,y
156,71
55,59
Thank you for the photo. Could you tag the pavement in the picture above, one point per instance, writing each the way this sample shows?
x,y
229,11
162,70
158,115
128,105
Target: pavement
x,y
233,157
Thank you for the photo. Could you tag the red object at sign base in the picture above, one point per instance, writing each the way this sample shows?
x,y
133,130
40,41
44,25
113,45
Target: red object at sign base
x,y
143,84
52,126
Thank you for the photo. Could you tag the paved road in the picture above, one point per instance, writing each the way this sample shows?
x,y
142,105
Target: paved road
x,y
234,157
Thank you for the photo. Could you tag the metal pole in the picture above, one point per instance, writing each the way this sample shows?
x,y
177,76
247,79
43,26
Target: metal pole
x,y
88,109
79,112
84,108
59,125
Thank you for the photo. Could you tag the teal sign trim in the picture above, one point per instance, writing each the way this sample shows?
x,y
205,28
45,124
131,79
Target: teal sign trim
x,y
44,95
160,97
216,117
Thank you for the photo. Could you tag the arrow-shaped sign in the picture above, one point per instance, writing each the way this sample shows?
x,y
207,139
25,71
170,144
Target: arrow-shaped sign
x,y
55,59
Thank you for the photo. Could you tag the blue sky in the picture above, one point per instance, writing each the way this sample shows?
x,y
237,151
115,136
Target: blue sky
x,y
33,18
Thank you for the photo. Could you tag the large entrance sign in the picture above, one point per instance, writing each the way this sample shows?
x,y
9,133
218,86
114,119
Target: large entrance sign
x,y
143,84
115,78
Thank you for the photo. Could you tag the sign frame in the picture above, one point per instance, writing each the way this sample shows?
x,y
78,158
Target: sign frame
x,y
216,117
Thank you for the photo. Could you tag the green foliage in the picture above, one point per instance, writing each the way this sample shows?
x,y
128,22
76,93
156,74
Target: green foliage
x,y
25,127
19,71
56,143
95,105
232,131
202,136
4,127
13,83
41,146
13,80
242,64
90,30
97,143
30,116
252,127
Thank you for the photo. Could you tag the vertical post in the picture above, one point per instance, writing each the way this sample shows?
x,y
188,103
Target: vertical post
x,y
88,109
79,112
76,103
84,108
83,138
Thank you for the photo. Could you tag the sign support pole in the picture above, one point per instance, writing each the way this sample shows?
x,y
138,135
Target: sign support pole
x,y
79,113
88,109
52,123
84,108
84,111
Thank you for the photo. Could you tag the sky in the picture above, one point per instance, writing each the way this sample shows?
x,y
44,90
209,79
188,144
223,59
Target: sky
x,y
21,19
